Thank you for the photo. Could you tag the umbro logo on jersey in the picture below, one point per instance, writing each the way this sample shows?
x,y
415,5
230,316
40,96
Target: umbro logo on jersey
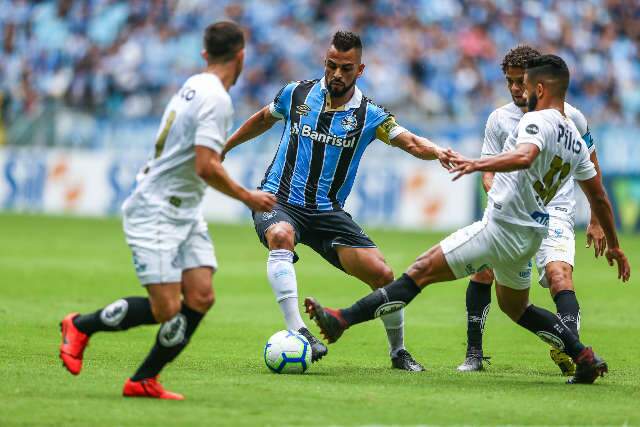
x,y
303,109
532,129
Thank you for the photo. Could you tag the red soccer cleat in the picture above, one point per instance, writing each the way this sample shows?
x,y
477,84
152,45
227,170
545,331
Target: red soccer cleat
x,y
73,344
149,387
330,321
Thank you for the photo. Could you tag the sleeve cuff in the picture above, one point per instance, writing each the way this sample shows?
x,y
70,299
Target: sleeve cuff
x,y
214,144
274,112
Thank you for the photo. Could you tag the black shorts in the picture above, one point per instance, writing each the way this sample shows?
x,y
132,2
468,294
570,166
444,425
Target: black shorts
x,y
322,231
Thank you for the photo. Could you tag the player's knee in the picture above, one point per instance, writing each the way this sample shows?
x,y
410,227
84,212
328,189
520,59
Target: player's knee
x,y
201,300
381,276
166,310
559,280
422,267
484,276
281,236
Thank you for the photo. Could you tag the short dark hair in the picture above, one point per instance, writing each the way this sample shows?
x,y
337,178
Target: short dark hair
x,y
550,67
346,40
518,57
222,40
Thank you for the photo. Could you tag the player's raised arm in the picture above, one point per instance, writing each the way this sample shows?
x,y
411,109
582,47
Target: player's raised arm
x,y
601,206
256,125
209,168
393,134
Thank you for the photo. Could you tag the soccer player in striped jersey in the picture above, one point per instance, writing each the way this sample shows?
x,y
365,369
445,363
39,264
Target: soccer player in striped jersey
x,y
555,258
328,124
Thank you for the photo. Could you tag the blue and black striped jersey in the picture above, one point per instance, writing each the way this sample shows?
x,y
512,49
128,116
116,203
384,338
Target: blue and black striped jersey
x,y
320,149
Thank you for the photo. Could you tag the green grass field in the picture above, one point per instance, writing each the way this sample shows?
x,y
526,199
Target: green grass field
x,y
51,266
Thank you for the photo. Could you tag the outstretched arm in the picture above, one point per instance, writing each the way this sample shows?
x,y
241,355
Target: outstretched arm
x,y
419,147
601,206
256,125
520,158
210,169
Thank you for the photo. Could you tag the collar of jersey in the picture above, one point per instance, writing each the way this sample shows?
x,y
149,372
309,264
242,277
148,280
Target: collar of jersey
x,y
354,102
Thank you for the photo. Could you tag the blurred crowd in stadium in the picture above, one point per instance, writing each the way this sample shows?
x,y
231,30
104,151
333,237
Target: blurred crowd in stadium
x,y
426,60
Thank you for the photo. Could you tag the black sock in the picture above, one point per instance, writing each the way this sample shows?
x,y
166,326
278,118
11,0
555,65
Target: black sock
x,y
385,300
568,310
478,303
172,338
117,316
551,330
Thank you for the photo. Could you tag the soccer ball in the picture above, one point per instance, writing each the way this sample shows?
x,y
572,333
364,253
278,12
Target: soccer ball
x,y
287,352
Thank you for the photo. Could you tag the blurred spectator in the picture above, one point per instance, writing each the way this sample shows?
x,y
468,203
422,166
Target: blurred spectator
x,y
437,60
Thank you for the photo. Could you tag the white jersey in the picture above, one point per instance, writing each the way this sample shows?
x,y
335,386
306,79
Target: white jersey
x,y
522,197
200,113
500,127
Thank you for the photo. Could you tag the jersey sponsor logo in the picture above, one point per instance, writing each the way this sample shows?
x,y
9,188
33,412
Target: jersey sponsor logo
x,y
349,123
532,129
187,93
388,307
113,314
541,218
172,332
307,131
303,109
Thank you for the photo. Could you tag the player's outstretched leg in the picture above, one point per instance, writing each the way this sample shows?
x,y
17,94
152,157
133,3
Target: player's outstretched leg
x,y
77,328
558,277
368,265
549,328
430,267
478,301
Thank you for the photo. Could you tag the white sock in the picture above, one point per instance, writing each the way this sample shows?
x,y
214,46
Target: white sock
x,y
282,277
394,324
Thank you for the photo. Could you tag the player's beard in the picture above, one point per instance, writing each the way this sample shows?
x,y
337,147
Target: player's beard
x,y
338,93
532,102
521,103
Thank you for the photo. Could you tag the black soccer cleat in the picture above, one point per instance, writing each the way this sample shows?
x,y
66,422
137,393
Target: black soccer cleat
x,y
588,367
330,321
404,361
318,349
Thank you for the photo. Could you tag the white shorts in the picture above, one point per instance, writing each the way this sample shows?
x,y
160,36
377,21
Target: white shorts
x,y
504,247
558,245
163,246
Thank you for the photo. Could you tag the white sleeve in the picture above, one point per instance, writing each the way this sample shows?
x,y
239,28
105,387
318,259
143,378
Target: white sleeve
x,y
274,112
493,143
583,127
532,130
213,125
585,169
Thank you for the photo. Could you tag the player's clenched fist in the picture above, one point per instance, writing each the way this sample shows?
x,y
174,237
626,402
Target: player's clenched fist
x,y
260,201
